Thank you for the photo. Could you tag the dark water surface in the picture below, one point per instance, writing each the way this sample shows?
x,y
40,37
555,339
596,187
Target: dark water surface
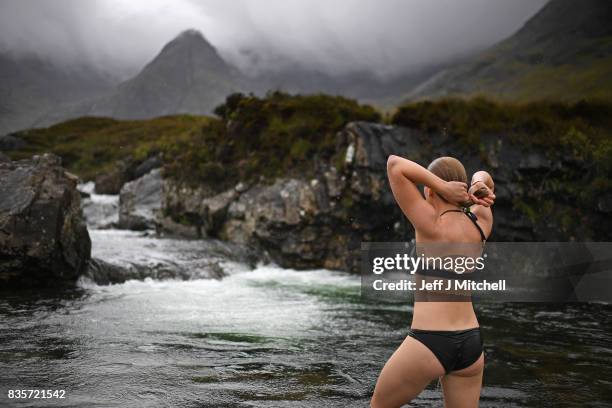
x,y
276,338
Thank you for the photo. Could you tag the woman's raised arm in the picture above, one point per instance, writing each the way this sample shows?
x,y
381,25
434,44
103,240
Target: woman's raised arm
x,y
482,196
481,189
404,176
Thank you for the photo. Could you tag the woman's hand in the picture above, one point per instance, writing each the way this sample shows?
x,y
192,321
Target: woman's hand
x,y
481,194
455,192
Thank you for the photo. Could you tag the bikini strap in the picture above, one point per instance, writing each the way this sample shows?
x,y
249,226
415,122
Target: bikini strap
x,y
472,218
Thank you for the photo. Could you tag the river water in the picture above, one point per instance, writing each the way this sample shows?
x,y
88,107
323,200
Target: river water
x,y
271,337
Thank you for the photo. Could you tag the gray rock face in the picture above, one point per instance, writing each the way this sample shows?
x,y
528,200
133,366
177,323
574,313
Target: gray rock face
x,y
140,202
43,237
153,162
124,171
111,182
105,273
321,222
201,211
286,219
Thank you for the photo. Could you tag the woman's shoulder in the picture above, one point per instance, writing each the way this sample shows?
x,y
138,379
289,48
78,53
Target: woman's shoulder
x,y
484,217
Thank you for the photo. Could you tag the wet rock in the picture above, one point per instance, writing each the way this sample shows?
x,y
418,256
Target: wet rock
x,y
173,228
125,255
288,220
105,273
123,172
214,209
140,202
373,143
153,162
200,207
4,158
43,237
111,182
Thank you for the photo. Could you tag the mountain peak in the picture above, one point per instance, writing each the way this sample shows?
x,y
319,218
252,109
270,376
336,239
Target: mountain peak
x,y
191,38
187,76
190,47
190,33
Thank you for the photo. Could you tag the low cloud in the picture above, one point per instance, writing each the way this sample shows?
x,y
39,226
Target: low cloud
x,y
386,37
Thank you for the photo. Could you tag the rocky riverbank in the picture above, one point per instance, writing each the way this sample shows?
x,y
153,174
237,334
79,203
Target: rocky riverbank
x,y
301,179
321,220
43,237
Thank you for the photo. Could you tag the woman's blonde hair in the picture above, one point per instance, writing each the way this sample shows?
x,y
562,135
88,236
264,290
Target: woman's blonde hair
x,y
448,169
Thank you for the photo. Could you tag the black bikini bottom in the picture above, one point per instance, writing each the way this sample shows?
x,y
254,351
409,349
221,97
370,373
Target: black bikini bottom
x,y
454,349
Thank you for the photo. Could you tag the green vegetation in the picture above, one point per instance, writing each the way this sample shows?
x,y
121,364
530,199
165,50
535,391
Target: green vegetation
x,y
253,137
565,82
259,139
89,146
563,53
537,123
518,81
576,136
264,137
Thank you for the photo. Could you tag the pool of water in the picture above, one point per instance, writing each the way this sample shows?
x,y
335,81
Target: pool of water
x,y
274,337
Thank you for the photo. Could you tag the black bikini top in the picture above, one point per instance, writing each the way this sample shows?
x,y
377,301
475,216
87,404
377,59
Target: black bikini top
x,y
472,218
442,273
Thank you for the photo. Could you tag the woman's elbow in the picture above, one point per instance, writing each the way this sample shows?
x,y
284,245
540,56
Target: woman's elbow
x,y
392,161
394,168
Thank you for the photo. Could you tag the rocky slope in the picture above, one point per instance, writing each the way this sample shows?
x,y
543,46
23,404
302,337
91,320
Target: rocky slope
x,y
43,237
321,221
563,52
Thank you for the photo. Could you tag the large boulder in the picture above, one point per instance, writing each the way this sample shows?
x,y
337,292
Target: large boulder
x,y
111,182
43,237
291,220
140,202
124,171
196,212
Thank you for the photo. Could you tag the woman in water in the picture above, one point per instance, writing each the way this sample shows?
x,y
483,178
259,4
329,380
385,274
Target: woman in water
x,y
444,340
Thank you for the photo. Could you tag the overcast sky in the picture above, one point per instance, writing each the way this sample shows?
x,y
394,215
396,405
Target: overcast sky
x,y
384,36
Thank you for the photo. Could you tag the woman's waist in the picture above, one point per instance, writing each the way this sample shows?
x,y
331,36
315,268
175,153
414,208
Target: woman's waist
x,y
444,316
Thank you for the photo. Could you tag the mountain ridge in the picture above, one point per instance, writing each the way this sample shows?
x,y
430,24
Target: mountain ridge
x,y
30,84
563,52
186,76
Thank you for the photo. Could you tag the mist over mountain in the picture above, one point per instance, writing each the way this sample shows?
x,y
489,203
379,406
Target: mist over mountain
x,y
382,37
70,58
563,52
30,85
187,76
